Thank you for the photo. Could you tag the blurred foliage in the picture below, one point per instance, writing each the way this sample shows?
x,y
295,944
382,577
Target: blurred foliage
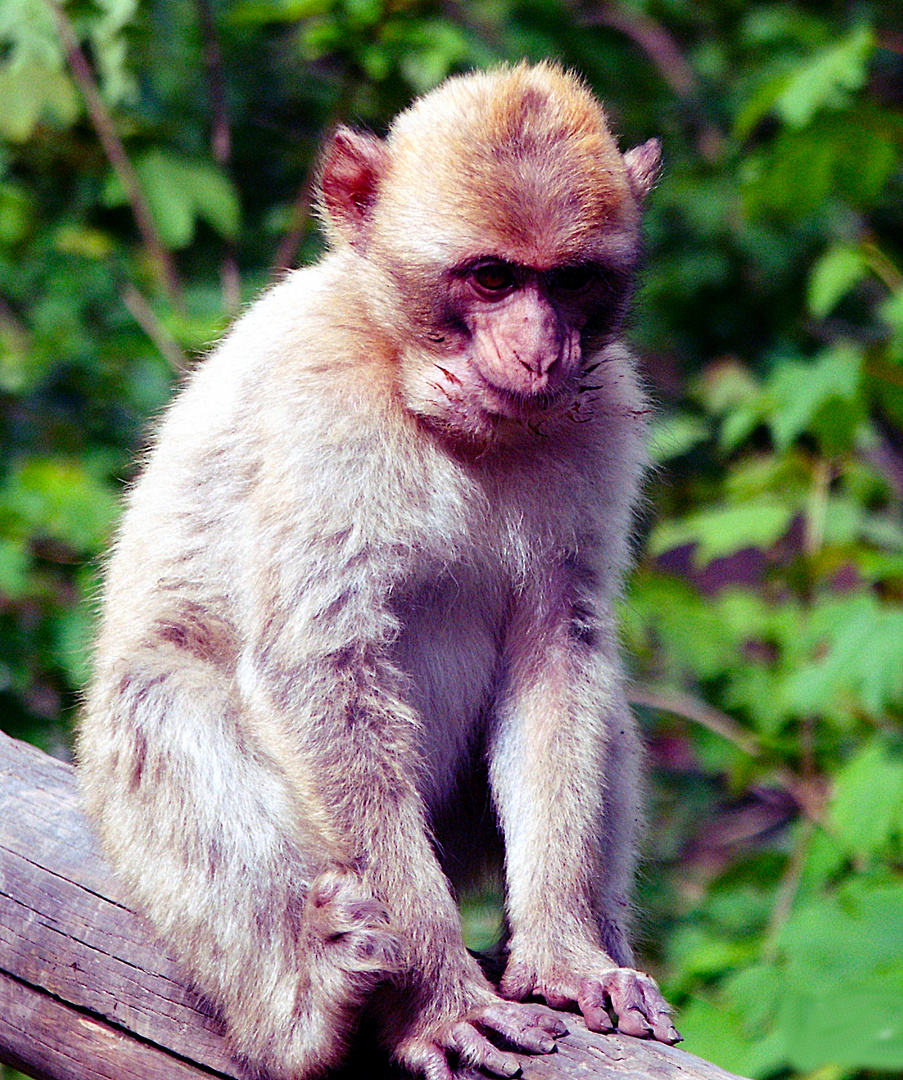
x,y
764,618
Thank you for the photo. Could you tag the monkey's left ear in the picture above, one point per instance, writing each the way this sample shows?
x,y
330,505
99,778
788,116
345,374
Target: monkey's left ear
x,y
643,163
353,164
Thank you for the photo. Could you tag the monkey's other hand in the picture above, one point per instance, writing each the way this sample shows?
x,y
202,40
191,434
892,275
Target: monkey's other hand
x,y
617,999
447,1047
350,928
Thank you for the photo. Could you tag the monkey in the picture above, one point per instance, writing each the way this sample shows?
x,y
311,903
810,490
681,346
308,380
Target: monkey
x,y
357,626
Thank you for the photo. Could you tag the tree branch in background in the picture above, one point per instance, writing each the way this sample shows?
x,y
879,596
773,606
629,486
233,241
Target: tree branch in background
x,y
691,708
220,137
299,217
662,50
287,253
809,792
145,316
653,39
116,153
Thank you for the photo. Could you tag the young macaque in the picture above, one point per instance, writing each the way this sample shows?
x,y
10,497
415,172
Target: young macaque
x,y
358,621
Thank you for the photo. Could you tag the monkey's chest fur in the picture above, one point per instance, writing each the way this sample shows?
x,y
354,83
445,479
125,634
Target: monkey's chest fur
x,y
451,649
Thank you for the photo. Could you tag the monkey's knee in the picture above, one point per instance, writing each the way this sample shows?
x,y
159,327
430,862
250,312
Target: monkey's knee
x,y
350,929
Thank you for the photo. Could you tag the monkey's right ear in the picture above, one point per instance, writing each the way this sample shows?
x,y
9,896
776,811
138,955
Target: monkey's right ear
x,y
353,164
643,164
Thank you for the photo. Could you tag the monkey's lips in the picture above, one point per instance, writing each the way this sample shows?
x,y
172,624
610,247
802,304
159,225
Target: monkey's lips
x,y
519,404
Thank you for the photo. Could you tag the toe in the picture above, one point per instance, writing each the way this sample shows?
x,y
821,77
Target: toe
x,y
475,1049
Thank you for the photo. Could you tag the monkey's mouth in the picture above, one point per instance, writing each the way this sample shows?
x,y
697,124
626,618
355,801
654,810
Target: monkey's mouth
x,y
519,404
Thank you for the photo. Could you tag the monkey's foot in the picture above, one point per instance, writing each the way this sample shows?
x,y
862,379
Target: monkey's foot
x,y
619,999
453,1047
351,926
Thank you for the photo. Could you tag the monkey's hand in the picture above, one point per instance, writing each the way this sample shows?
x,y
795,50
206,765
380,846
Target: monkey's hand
x,y
611,998
350,932
443,1043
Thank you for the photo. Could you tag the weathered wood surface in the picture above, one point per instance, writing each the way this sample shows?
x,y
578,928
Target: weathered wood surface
x,y
87,991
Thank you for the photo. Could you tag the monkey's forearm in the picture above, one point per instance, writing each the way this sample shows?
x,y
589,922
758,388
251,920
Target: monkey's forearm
x,y
564,765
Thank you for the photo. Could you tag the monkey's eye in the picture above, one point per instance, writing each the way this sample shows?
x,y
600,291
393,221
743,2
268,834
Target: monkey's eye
x,y
493,278
572,279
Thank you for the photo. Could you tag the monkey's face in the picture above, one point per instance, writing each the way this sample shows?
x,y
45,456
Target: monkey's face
x,y
497,229
500,327
507,340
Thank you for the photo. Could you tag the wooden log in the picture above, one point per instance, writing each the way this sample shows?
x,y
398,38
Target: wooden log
x,y
86,990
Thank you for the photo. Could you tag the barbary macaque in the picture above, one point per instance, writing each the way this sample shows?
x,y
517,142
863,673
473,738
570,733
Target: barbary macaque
x,y
358,621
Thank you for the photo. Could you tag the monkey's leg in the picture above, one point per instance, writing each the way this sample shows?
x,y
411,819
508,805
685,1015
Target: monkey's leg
x,y
203,827
359,749
564,763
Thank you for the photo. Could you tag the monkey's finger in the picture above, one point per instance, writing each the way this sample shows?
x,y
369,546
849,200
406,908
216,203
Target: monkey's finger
x,y
592,1002
597,1018
624,988
476,1049
633,1022
427,1060
531,1040
554,1025
659,1013
526,1027
664,1030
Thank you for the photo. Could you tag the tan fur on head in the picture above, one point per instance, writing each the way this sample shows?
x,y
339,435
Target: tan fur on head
x,y
536,169
532,152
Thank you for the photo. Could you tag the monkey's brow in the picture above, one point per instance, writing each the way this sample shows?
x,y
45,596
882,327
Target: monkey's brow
x,y
615,250
468,265
521,270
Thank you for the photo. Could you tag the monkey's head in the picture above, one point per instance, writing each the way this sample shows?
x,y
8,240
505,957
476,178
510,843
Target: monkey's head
x,y
497,231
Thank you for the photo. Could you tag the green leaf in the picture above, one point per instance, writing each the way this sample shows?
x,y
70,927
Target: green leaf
x,y
827,79
845,951
891,310
847,155
798,390
29,90
213,197
436,48
665,608
178,192
110,47
674,435
17,213
857,645
59,498
825,859
717,1033
162,180
833,276
14,564
261,12
759,105
870,1035
867,806
849,936
724,530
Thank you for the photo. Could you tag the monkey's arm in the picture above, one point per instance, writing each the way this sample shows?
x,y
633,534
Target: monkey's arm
x,y
331,709
565,763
